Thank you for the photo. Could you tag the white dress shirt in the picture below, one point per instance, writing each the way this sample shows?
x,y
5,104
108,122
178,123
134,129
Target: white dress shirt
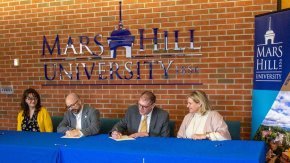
x,y
79,121
196,125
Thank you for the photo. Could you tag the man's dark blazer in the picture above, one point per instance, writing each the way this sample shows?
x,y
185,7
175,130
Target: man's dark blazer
x,y
130,123
90,121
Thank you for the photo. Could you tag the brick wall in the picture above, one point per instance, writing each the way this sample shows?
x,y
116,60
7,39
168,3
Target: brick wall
x,y
223,29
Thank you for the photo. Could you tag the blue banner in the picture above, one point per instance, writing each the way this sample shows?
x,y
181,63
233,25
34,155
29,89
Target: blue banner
x,y
271,92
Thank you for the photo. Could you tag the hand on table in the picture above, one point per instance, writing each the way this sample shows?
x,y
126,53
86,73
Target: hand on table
x,y
116,135
73,133
199,136
139,134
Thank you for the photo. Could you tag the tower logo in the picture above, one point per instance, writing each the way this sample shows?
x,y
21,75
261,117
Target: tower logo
x,y
268,66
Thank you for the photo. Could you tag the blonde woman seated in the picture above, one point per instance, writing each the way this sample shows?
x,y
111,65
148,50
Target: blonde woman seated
x,y
201,122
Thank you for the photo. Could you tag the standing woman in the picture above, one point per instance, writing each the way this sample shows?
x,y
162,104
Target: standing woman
x,y
201,122
33,117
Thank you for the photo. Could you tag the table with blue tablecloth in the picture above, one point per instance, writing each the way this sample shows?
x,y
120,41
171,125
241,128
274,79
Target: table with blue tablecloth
x,y
50,147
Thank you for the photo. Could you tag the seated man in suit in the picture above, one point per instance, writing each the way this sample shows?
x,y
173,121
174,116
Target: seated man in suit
x,y
79,119
143,119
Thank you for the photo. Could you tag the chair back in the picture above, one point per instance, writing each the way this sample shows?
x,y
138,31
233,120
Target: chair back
x,y
234,129
55,121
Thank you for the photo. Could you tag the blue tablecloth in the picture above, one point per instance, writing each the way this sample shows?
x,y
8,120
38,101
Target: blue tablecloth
x,y
49,147
18,147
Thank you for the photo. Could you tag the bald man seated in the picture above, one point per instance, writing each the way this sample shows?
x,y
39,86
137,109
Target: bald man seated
x,y
79,119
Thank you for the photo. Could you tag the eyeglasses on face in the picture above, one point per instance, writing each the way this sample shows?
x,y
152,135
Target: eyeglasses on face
x,y
145,107
72,105
31,98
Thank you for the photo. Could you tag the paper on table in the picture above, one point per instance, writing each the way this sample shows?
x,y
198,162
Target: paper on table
x,y
70,137
124,137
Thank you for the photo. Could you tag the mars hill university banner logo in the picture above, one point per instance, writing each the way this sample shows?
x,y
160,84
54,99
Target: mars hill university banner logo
x,y
271,92
269,62
60,64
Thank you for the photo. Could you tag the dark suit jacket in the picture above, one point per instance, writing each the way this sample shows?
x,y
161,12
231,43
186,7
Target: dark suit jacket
x,y
90,121
130,123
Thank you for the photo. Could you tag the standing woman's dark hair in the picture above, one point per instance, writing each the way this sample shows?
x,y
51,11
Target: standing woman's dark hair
x,y
24,105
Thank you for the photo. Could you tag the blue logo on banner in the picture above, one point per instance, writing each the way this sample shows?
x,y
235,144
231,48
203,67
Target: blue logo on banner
x,y
269,56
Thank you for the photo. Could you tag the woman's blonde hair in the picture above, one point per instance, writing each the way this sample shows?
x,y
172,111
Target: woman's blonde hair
x,y
201,98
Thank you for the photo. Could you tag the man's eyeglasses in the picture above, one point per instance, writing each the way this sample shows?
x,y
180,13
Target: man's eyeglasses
x,y
145,107
72,105
31,99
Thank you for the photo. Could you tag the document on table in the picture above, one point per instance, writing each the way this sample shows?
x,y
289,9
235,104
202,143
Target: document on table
x,y
70,137
124,137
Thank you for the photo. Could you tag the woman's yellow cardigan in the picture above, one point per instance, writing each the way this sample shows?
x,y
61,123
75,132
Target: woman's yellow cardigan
x,y
43,120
